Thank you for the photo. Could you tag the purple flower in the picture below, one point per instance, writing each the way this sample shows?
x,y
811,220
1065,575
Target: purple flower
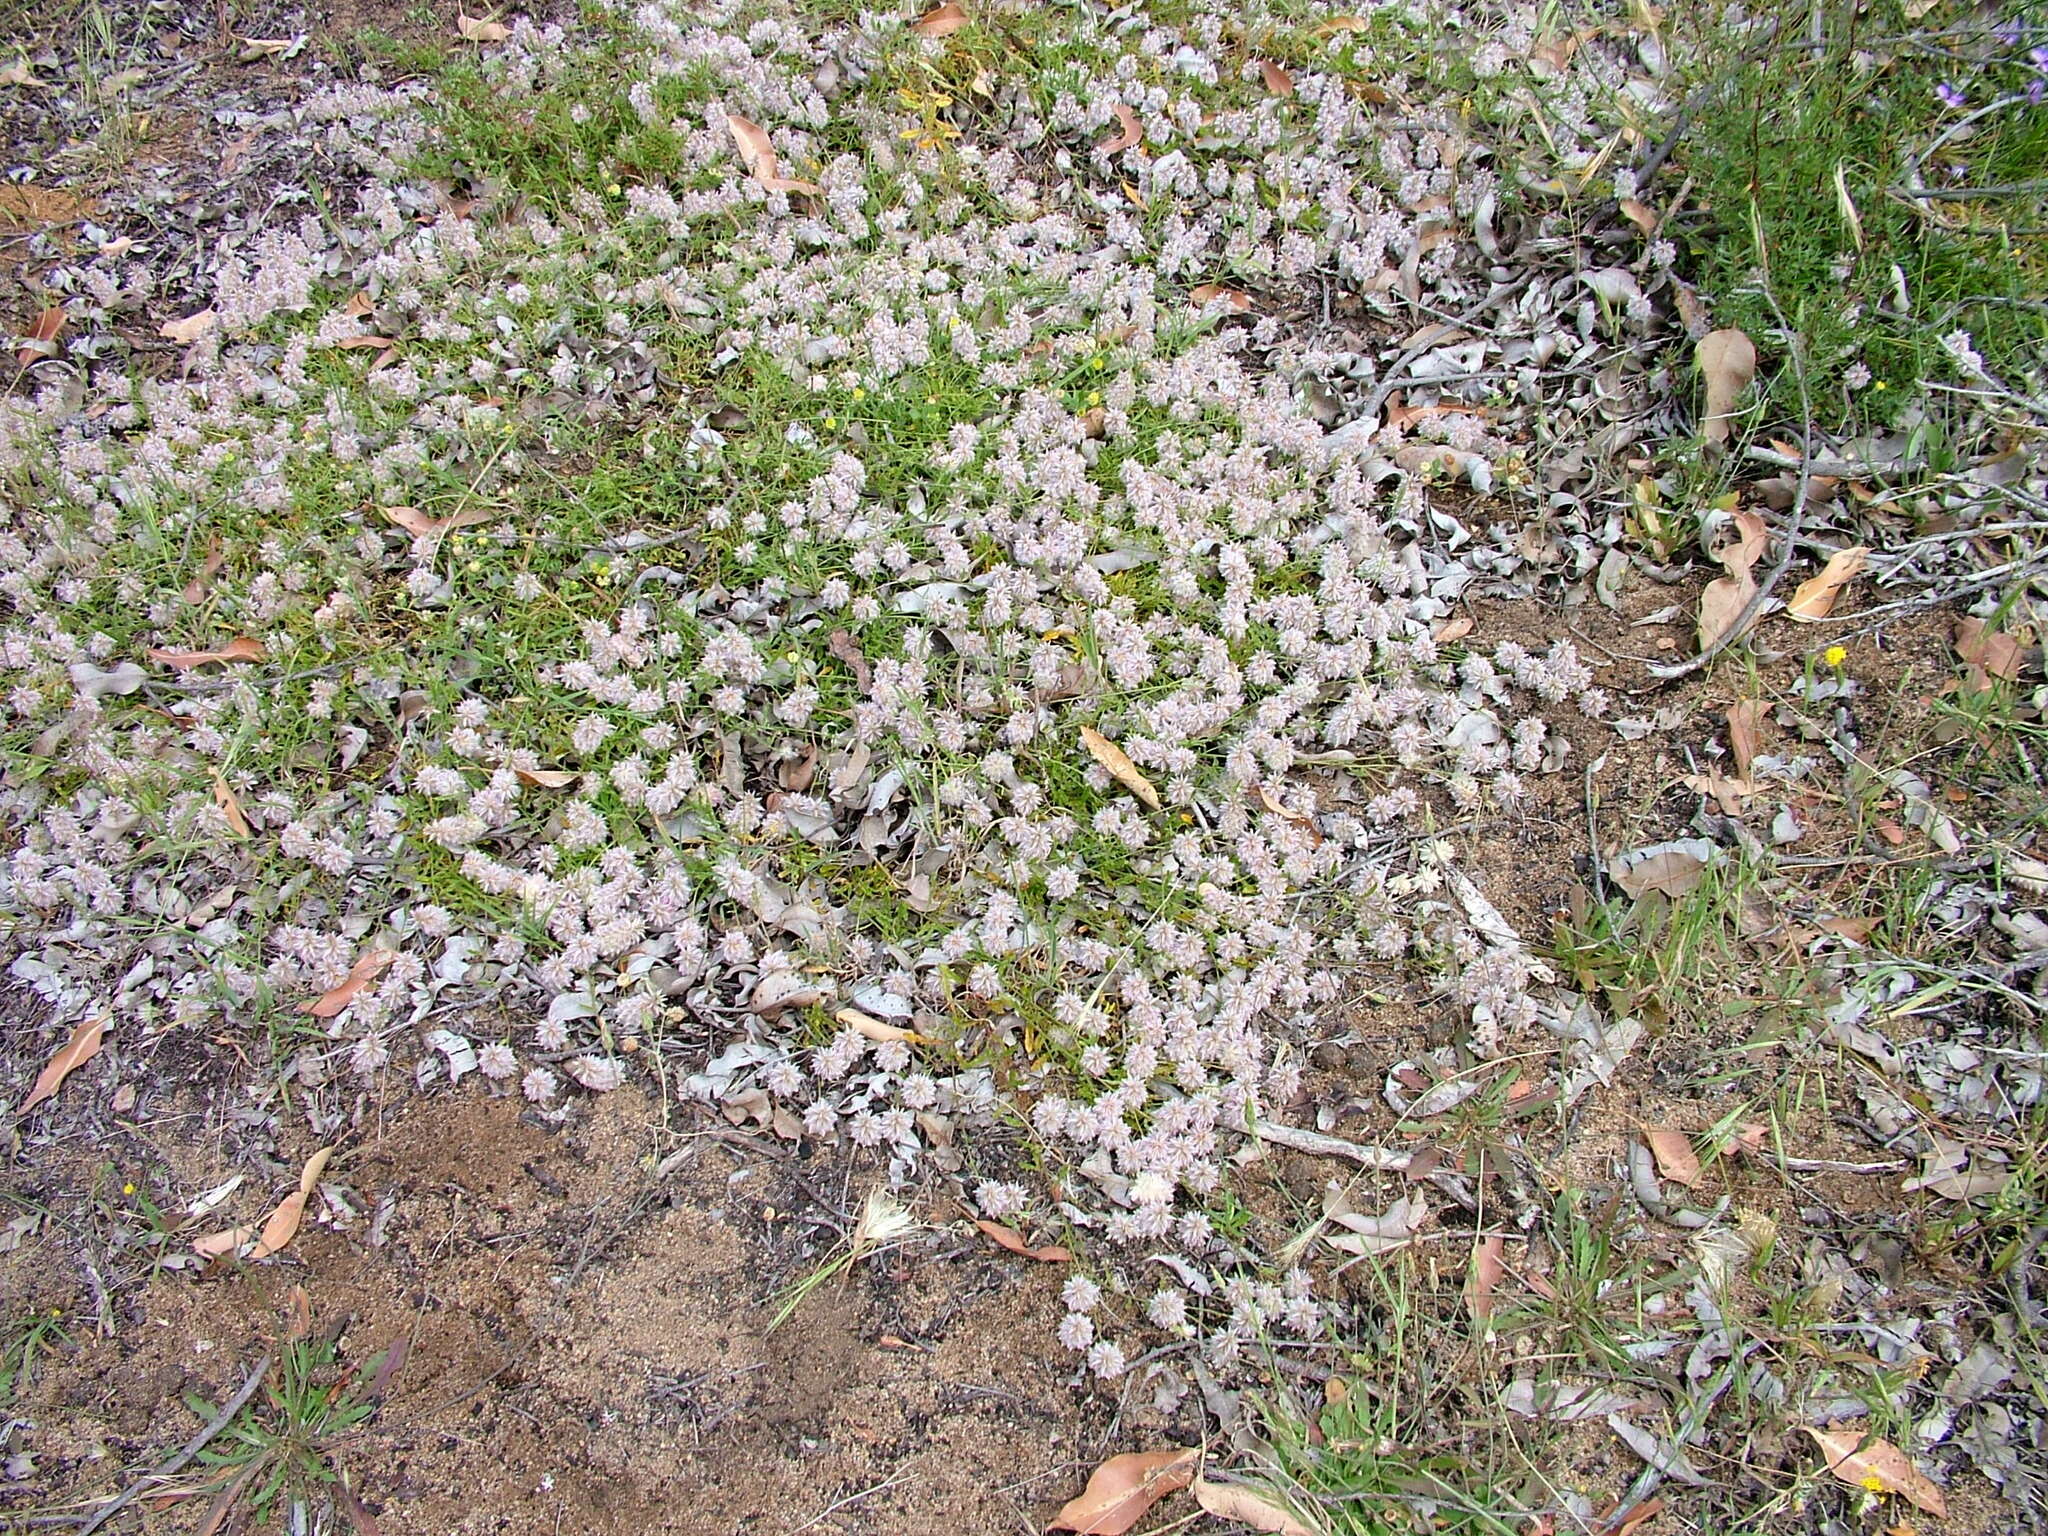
x,y
2008,32
1951,95
2037,90
2038,57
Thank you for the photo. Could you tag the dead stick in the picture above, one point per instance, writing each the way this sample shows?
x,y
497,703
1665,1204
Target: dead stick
x,y
184,1453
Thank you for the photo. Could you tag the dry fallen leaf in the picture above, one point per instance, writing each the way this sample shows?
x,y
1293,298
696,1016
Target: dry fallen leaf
x,y
1133,133
1277,80
872,1028
40,339
230,807
941,21
84,1044
1245,1505
343,992
1676,1160
1816,596
202,581
279,1228
1745,720
1006,1237
1489,1263
243,649
1209,293
421,526
1123,1488
757,154
1726,597
1641,215
1864,1462
546,778
1990,653
1121,768
1729,793
477,30
1668,868
188,330
1727,361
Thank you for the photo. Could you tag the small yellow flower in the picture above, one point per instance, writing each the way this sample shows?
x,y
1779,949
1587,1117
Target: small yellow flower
x,y
859,394
1098,363
1880,384
1835,655
128,1189
831,422
1873,1482
1095,397
613,188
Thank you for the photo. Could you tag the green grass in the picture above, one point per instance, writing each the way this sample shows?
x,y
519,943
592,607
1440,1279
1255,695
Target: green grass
x,y
23,1343
278,1456
1801,159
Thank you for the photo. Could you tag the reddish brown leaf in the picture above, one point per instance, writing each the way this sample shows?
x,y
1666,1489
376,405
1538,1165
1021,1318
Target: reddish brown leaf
x,y
1123,1488
757,154
1727,361
1676,1159
361,974
1277,80
479,30
40,339
202,582
84,1044
1863,1461
1133,133
243,649
940,21
1722,605
546,778
1209,293
1815,599
358,343
1745,723
1241,1504
871,1028
1121,768
188,330
231,808
1990,653
1006,1237
281,1226
847,649
421,526
1488,1266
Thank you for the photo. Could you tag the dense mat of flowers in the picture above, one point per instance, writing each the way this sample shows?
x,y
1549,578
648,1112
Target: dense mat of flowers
x,y
777,549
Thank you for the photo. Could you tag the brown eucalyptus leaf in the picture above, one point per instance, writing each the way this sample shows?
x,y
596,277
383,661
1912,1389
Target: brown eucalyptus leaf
x,y
231,808
1864,1462
477,29
421,526
202,581
40,339
1489,1263
1727,362
1007,1237
872,1028
1121,768
1675,1157
1133,133
1209,293
190,329
1815,599
1722,604
1245,1505
343,992
1745,722
546,778
1276,79
243,649
941,21
1123,1488
757,154
84,1044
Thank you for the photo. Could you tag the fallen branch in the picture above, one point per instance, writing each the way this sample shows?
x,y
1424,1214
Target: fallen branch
x,y
1316,1144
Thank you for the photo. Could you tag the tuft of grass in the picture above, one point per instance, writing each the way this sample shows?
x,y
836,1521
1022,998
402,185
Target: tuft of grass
x,y
1882,212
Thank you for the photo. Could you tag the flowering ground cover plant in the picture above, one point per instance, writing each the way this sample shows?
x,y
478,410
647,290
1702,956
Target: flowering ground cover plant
x,y
902,582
